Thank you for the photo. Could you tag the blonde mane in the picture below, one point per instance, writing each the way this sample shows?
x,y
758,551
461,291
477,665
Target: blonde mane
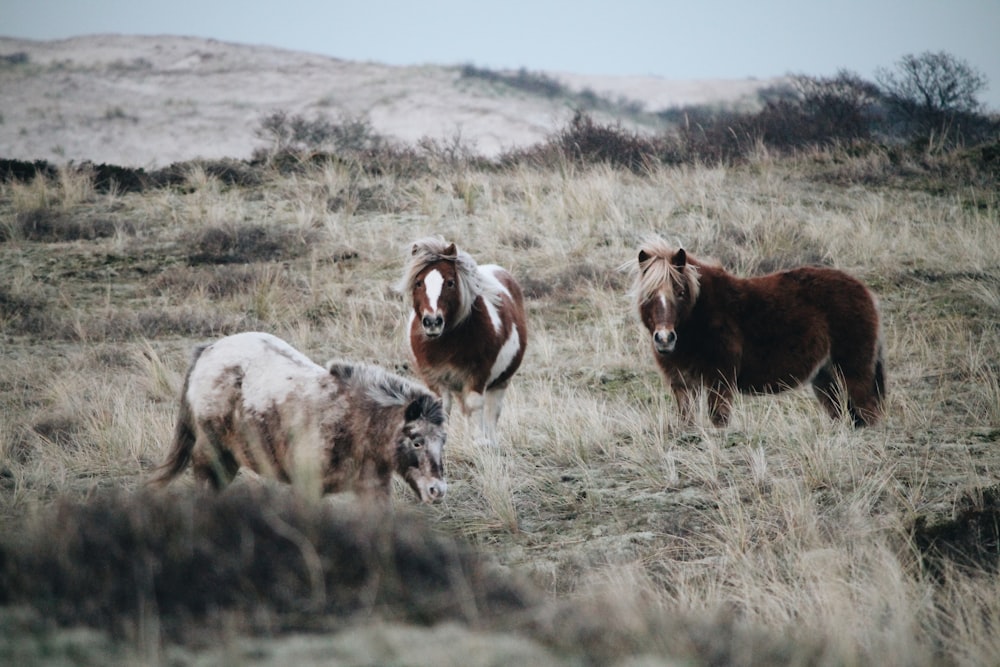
x,y
658,269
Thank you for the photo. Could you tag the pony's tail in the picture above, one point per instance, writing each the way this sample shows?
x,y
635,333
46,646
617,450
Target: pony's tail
x,y
184,436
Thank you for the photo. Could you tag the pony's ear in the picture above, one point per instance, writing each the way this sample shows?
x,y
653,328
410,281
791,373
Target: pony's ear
x,y
340,369
450,251
643,256
426,407
680,259
413,411
415,249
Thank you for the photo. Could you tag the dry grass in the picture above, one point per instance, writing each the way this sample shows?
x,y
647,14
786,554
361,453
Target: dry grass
x,y
782,539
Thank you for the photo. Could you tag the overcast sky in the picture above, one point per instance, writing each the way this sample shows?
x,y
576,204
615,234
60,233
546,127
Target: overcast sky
x,y
690,39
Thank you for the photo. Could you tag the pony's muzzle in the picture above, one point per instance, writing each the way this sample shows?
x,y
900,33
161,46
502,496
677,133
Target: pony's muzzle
x,y
664,340
436,491
433,324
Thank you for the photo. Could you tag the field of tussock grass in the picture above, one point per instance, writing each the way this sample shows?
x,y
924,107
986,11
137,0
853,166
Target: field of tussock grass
x,y
599,532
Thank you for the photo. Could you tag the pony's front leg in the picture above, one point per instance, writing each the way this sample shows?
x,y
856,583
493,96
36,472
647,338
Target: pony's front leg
x,y
720,400
685,402
473,403
491,413
445,395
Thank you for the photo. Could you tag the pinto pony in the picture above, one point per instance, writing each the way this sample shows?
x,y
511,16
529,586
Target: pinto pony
x,y
760,335
467,329
251,400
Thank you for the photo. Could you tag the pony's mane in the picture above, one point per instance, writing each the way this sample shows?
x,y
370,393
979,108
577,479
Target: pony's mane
x,y
431,249
658,268
386,389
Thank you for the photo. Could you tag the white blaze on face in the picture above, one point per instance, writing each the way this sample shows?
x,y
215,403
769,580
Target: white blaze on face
x,y
433,282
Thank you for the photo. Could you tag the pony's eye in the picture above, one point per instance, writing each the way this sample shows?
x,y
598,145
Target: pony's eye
x,y
419,283
450,283
418,442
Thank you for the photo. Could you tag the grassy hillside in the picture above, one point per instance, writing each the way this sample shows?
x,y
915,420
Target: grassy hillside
x,y
784,538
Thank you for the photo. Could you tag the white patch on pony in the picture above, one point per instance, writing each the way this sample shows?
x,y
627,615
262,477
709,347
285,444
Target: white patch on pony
x,y
505,356
433,282
274,377
491,310
488,274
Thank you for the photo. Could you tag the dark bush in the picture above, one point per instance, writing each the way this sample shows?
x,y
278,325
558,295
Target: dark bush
x,y
252,557
970,540
113,178
24,313
23,171
46,225
535,83
242,243
13,59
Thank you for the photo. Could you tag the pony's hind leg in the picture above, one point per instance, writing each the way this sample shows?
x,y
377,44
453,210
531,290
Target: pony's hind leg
x,y
827,389
215,472
213,465
867,392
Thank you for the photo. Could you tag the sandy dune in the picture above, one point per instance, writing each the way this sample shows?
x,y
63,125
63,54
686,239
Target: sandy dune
x,y
149,101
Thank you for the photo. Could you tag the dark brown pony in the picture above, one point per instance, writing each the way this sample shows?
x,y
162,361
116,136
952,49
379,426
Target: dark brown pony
x,y
760,335
467,329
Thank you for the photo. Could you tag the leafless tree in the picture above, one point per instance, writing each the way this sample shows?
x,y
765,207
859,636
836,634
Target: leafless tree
x,y
933,92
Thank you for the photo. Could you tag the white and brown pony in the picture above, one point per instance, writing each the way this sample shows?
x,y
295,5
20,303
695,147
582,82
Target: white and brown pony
x,y
760,335
251,400
467,329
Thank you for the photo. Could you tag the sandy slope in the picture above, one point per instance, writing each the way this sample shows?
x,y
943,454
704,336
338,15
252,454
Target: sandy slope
x,y
150,101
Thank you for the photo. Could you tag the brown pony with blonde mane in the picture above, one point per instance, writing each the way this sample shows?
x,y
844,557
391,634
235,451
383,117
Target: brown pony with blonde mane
x,y
467,328
762,335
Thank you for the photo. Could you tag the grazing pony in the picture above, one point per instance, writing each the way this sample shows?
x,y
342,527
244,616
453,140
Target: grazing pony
x,y
467,330
251,400
760,335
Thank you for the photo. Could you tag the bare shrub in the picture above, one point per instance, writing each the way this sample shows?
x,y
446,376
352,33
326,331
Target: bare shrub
x,y
585,141
295,134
